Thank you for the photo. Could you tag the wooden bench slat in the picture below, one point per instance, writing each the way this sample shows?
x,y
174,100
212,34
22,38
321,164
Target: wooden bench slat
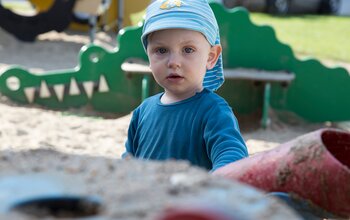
x,y
258,75
136,68
141,67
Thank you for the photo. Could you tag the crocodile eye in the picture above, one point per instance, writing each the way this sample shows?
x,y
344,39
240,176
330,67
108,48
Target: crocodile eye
x,y
13,83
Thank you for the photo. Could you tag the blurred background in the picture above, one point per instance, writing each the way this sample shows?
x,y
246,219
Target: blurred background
x,y
283,7
317,28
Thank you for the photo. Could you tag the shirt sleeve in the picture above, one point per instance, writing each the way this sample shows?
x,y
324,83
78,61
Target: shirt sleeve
x,y
223,139
130,142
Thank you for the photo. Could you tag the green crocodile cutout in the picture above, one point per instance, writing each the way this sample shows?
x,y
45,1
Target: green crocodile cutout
x,y
317,93
97,81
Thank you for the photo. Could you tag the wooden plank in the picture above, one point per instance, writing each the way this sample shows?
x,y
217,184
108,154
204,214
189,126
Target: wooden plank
x,y
137,66
258,75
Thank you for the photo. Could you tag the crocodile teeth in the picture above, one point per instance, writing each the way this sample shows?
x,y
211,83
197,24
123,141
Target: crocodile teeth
x,y
29,92
89,88
44,90
73,88
103,86
59,90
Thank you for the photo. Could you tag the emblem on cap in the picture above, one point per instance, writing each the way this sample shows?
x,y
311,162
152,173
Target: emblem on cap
x,y
168,4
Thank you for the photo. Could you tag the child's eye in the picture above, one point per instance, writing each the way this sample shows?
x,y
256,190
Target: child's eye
x,y
161,50
189,50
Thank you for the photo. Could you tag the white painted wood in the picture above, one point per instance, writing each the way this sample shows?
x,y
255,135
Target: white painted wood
x,y
73,87
44,91
103,86
89,88
13,83
29,93
59,90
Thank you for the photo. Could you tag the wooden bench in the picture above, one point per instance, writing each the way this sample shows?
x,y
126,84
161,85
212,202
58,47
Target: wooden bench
x,y
137,66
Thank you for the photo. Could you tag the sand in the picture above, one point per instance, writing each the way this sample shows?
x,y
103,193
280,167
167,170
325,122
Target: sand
x,y
88,145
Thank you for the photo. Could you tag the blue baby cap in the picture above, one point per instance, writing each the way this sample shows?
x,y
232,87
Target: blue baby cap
x,y
194,15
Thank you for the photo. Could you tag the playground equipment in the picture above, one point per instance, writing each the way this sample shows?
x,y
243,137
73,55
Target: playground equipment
x,y
58,15
315,167
117,14
26,28
309,89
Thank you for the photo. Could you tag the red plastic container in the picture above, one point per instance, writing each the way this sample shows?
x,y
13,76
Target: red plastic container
x,y
195,213
315,166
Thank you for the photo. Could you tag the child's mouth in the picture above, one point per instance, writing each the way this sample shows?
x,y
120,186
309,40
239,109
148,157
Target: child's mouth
x,y
174,76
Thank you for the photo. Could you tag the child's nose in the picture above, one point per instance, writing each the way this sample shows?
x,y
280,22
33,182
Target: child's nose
x,y
174,61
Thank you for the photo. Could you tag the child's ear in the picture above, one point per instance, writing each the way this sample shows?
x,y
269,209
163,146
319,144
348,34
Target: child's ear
x,y
214,54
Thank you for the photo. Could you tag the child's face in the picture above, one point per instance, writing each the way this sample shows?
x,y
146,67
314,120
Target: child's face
x,y
179,59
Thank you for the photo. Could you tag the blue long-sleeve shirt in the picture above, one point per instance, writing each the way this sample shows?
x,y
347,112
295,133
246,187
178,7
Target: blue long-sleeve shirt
x,y
201,129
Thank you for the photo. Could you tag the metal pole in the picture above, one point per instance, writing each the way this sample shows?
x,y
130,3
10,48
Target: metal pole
x,y
266,105
93,28
120,15
145,87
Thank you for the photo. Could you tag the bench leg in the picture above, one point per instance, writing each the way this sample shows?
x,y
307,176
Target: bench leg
x,y
265,121
92,26
145,87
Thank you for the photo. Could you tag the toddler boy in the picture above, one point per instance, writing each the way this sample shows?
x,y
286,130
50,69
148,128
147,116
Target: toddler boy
x,y
188,121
